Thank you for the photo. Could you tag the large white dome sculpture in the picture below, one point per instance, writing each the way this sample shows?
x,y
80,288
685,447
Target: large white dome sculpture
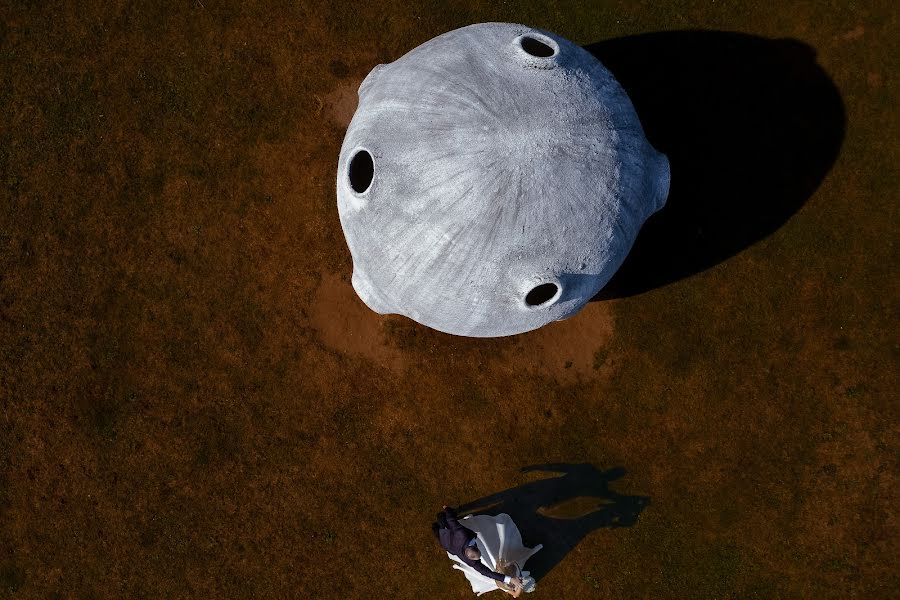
x,y
492,180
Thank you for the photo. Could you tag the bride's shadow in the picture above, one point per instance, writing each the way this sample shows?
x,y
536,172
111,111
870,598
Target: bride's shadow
x,y
539,509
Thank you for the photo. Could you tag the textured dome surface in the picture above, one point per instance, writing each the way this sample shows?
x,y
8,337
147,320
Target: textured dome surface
x,y
492,180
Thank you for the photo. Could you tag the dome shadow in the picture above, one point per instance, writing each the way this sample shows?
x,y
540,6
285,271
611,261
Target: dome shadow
x,y
751,127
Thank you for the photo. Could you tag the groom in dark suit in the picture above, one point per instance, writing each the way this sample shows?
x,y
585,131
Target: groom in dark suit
x,y
460,541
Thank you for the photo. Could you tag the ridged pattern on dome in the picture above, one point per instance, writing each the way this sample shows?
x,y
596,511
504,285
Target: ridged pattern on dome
x,y
493,171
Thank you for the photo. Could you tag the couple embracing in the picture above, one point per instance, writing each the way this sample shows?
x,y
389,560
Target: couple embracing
x,y
488,550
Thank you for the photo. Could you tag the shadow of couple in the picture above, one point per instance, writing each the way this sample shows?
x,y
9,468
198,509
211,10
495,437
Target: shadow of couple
x,y
560,511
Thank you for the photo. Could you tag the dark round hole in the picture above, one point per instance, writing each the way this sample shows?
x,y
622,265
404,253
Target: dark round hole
x,y
536,47
541,294
361,171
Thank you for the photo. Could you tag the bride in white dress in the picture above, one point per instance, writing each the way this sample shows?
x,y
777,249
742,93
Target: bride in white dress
x,y
502,551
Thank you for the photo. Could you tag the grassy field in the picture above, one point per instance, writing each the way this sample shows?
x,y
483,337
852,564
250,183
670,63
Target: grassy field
x,y
194,403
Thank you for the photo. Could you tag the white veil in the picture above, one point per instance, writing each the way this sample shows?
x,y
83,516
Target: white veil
x,y
501,549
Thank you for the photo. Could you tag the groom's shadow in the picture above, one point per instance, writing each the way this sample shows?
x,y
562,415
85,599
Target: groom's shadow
x,y
543,509
751,127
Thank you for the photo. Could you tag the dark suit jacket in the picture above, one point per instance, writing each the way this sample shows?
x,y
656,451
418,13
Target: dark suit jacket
x,y
454,538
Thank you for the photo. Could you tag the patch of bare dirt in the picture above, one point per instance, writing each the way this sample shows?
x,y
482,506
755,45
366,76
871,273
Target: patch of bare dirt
x,y
347,325
569,350
340,103
853,34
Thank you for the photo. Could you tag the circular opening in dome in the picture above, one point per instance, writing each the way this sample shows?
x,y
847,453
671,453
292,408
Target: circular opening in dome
x,y
536,47
541,294
360,171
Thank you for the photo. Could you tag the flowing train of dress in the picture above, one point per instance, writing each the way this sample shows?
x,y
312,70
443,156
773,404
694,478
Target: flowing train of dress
x,y
501,549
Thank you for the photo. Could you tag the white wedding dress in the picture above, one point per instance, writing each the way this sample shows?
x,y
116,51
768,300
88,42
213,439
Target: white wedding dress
x,y
501,549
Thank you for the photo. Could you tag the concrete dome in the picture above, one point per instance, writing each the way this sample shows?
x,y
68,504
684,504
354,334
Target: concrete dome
x,y
492,180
